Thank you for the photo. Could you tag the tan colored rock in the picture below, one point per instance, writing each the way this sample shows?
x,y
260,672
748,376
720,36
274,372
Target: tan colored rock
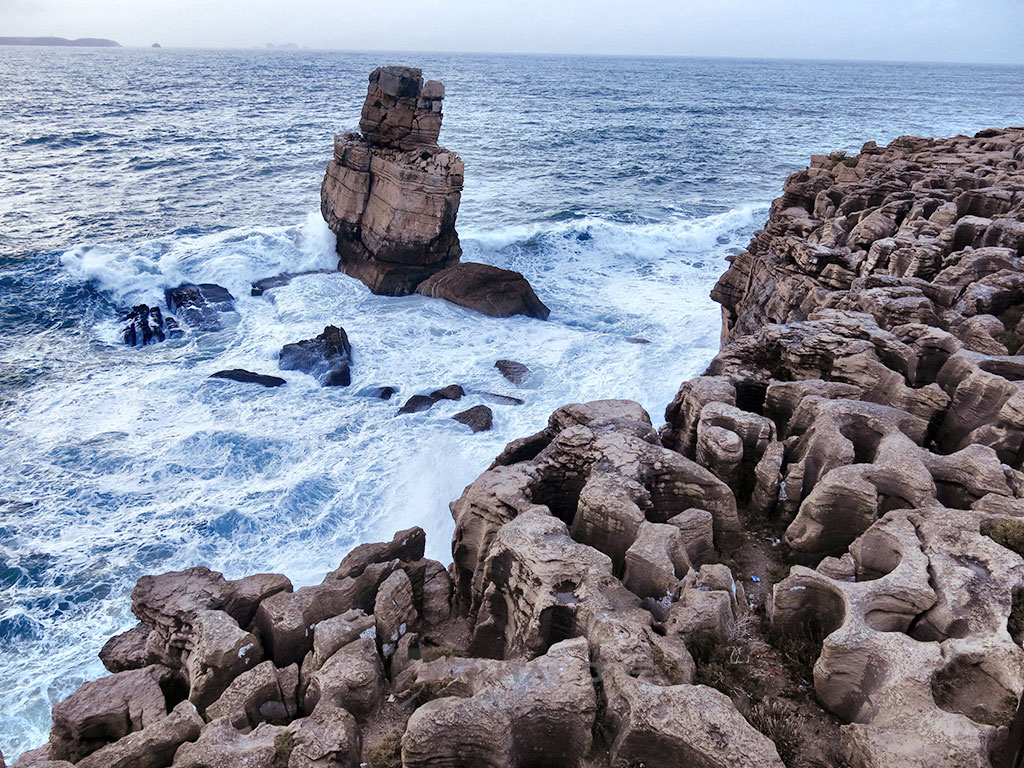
x,y
541,712
153,746
103,711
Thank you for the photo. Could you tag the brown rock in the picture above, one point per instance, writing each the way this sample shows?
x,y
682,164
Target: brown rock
x,y
486,289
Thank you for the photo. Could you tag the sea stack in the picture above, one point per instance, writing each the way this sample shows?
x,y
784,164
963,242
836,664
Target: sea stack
x,y
391,193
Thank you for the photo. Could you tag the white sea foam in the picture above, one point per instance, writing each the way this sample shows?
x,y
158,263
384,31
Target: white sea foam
x,y
140,464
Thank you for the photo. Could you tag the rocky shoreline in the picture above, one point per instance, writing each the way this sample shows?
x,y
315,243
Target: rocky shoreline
x,y
816,561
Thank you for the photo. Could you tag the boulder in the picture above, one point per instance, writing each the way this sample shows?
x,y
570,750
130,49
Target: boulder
x,y
104,711
538,713
152,747
327,358
485,289
479,418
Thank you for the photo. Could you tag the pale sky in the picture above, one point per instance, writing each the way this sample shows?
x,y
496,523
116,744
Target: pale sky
x,y
901,30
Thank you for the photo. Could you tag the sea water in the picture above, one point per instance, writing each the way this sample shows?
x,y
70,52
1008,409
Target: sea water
x,y
617,186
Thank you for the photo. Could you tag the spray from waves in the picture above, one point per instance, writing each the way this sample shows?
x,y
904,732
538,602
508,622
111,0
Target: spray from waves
x,y
232,258
133,463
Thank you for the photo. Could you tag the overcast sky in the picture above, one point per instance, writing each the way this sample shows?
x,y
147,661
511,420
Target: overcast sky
x,y
902,30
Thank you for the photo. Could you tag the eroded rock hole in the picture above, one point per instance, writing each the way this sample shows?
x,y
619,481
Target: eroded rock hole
x,y
557,623
964,687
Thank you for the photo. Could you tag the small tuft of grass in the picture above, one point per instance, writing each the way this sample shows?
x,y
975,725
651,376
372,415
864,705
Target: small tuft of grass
x,y
424,155
1015,624
736,667
800,650
386,753
283,747
778,723
1006,533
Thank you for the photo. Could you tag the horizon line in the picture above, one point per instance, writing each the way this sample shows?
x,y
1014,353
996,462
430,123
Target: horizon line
x,y
280,47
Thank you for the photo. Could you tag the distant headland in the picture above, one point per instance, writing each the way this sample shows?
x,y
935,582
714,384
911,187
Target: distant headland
x,y
82,42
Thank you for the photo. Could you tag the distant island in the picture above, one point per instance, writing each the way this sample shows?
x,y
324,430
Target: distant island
x,y
82,42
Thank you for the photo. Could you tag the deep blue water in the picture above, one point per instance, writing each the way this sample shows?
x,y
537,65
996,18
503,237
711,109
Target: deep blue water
x,y
616,185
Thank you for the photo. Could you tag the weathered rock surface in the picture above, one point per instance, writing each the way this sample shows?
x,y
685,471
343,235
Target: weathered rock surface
x,y
391,194
328,357
615,590
486,289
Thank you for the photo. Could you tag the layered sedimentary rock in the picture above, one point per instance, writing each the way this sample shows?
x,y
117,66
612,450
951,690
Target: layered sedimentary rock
x,y
391,193
842,489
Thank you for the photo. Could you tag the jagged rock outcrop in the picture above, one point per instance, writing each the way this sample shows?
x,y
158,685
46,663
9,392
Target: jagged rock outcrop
x,y
391,195
328,357
837,504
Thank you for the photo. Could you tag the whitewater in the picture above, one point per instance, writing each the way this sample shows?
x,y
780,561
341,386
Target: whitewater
x,y
618,187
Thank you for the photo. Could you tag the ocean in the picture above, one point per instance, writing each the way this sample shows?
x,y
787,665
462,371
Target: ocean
x,y
618,186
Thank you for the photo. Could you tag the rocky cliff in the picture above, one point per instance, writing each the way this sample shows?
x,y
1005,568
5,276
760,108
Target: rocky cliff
x,y
816,561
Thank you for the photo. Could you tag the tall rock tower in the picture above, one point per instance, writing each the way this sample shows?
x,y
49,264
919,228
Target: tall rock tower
x,y
391,193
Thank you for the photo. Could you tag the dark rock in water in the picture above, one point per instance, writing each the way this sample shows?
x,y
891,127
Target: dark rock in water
x,y
248,377
147,325
262,286
384,393
199,305
494,397
478,418
513,371
417,403
486,289
328,357
637,340
451,392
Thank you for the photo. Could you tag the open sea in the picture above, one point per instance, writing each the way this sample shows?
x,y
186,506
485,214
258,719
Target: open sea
x,y
616,185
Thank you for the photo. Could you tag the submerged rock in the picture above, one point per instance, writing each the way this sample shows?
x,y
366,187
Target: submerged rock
x,y
327,358
418,403
200,305
486,289
248,377
277,281
513,371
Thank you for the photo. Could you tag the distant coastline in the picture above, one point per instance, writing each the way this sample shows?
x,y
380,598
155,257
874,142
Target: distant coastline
x,y
82,42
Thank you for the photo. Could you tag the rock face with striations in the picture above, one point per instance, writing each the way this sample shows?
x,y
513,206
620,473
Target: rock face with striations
x,y
836,504
391,194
